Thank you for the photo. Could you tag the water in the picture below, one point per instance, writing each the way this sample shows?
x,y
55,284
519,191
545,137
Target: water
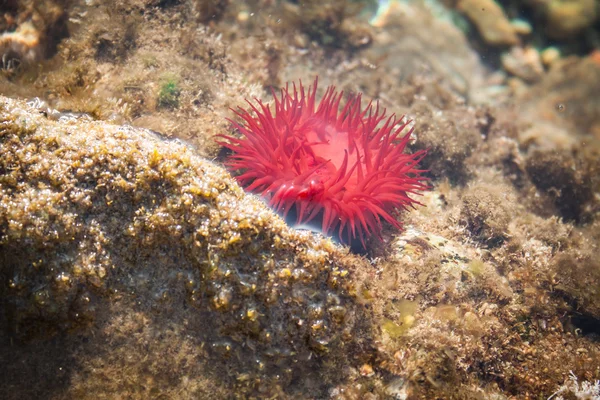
x,y
135,265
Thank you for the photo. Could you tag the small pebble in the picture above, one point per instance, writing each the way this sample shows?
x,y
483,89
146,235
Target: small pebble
x,y
521,26
550,55
524,63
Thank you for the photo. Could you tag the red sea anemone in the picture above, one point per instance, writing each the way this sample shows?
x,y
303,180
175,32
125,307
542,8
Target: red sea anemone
x,y
341,166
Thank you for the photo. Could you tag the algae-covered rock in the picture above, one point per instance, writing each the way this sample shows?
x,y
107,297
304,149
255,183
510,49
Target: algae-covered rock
x,y
568,18
568,178
151,273
485,213
567,97
525,63
492,23
448,144
332,23
30,31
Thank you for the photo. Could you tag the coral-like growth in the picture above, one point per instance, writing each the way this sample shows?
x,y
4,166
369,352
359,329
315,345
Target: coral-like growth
x,y
347,167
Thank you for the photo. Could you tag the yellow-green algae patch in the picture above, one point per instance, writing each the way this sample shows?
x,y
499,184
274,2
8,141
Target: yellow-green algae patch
x,y
121,249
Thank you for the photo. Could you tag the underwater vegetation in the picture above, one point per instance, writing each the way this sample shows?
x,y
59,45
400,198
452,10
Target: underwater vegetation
x,y
133,267
169,93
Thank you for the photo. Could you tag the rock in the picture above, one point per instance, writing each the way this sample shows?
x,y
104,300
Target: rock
x,y
485,213
31,32
490,20
567,96
567,18
404,46
138,261
524,63
550,55
568,178
522,27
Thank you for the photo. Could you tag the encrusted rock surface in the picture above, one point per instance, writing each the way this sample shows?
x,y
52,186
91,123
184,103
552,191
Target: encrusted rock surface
x,y
491,22
123,253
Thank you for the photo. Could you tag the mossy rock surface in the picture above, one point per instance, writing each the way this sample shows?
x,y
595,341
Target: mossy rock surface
x,y
137,261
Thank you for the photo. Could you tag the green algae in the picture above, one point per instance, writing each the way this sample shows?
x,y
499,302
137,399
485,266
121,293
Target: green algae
x,y
169,93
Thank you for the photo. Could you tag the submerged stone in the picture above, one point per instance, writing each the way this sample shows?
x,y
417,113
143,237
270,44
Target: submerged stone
x,y
135,267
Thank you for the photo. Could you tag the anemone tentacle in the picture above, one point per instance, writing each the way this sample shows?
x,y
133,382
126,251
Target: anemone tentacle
x,y
349,166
